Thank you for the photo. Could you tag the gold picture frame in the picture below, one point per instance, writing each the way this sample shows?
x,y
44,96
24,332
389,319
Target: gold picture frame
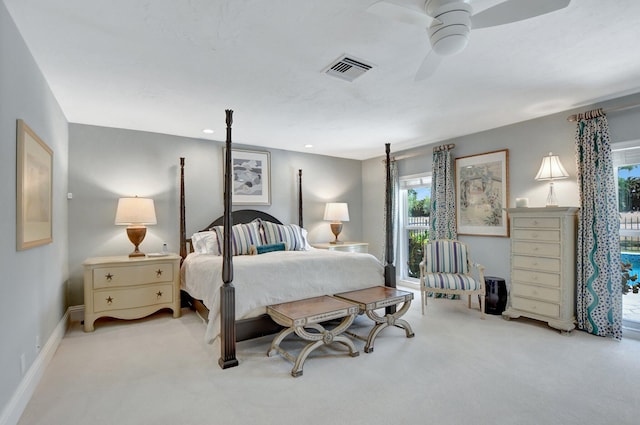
x,y
482,194
251,177
34,187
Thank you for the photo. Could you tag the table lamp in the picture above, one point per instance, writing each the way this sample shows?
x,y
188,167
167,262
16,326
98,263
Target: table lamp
x,y
135,213
551,169
336,213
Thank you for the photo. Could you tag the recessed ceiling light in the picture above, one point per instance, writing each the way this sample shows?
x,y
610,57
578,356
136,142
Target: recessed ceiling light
x,y
207,131
308,146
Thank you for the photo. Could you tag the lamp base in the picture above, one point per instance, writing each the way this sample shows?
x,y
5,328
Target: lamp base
x,y
136,236
552,201
336,228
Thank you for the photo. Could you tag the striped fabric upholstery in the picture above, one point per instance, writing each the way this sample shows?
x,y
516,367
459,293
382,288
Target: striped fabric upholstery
x,y
446,256
242,237
451,281
290,234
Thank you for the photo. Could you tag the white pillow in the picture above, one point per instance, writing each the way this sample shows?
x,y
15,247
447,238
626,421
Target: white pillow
x,y
206,243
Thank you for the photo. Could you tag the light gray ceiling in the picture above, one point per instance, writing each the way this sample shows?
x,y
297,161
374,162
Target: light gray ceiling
x,y
174,66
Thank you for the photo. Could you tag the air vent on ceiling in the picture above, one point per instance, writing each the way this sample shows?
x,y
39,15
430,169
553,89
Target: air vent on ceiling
x,y
347,68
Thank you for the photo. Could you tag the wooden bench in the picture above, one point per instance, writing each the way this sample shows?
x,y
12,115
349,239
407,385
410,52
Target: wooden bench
x,y
303,317
377,297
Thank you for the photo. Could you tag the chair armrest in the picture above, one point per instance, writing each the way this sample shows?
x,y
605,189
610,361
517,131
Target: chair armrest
x,y
421,268
480,269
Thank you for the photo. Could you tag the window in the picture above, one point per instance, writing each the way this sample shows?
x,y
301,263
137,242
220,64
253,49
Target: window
x,y
415,206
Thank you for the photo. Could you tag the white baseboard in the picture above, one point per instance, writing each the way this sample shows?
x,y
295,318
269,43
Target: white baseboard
x,y
13,410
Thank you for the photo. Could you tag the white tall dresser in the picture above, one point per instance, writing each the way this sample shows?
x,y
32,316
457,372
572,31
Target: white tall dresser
x,y
543,265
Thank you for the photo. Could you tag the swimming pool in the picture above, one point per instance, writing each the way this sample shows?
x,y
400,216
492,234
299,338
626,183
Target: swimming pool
x,y
632,258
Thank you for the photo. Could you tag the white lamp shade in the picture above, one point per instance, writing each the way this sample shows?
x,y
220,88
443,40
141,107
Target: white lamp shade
x,y
336,211
551,168
135,211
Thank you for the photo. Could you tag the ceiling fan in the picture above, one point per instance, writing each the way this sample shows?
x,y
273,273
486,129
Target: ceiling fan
x,y
449,22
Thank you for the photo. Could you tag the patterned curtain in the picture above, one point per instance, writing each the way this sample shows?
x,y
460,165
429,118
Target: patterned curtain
x,y
395,202
599,291
443,197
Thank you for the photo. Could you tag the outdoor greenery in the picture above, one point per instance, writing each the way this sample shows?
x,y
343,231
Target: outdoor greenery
x,y
420,210
628,277
628,191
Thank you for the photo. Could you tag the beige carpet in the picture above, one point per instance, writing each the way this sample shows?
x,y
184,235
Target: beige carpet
x,y
457,370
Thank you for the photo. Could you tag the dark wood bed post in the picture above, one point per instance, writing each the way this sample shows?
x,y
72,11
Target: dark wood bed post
x,y
389,268
227,291
183,231
300,198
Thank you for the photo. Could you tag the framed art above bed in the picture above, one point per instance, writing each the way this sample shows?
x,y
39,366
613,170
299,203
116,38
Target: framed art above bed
x,y
251,177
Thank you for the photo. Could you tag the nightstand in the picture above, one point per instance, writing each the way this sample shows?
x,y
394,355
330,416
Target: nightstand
x,y
362,247
130,288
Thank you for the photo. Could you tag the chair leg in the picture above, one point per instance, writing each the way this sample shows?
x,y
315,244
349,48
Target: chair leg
x,y
423,301
482,306
469,302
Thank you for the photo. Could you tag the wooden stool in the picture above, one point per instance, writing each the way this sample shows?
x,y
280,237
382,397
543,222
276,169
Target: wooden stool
x,y
371,299
298,316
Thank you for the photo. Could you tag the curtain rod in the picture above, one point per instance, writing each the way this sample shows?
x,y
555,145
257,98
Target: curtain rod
x,y
575,117
422,152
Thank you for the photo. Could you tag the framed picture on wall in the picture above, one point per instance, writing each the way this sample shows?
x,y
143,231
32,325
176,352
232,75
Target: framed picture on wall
x,y
34,186
482,193
251,177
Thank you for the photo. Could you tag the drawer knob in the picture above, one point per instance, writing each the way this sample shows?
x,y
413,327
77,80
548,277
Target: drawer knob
x,y
109,277
159,273
159,294
109,300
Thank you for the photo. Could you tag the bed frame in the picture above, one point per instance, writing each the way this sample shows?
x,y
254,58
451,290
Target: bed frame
x,y
231,330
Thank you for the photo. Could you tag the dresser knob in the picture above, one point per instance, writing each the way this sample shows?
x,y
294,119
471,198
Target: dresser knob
x,y
109,277
159,294
159,273
109,300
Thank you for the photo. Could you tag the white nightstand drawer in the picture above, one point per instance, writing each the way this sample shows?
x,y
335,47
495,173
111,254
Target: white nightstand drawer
x,y
537,222
537,263
105,277
537,235
537,307
534,248
538,292
119,299
538,278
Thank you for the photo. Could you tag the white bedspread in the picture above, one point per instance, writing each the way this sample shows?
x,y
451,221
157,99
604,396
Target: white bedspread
x,y
276,277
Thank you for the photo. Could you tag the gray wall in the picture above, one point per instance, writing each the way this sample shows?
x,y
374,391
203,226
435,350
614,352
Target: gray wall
x,y
107,163
32,282
527,143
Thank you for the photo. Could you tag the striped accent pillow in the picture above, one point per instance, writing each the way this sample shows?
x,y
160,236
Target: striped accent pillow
x,y
446,256
291,234
242,237
450,281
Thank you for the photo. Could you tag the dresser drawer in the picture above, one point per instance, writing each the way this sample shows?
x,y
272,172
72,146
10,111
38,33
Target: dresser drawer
x,y
538,292
534,248
536,307
537,235
537,263
537,222
119,299
538,278
105,277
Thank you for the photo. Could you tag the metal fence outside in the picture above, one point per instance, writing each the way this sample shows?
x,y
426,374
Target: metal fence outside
x,y
630,231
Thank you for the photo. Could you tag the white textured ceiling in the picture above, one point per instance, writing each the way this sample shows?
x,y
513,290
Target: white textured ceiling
x,y
174,66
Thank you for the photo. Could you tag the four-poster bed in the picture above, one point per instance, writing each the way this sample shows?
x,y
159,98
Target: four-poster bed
x,y
293,273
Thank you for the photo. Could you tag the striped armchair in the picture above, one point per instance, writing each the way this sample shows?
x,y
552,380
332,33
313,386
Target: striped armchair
x,y
446,269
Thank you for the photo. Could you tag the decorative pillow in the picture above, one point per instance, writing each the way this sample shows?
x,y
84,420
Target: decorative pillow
x,y
261,249
291,234
446,256
242,237
205,243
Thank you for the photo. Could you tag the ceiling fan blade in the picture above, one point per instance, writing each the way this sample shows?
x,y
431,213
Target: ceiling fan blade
x,y
405,14
429,66
514,11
